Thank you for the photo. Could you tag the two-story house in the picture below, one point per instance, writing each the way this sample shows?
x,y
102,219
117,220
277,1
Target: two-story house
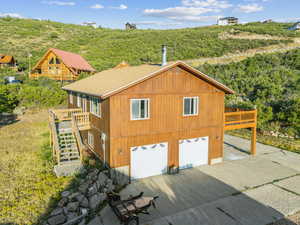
x,y
61,65
145,120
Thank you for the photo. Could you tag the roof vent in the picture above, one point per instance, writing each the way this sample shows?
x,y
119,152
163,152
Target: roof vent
x,y
122,65
164,55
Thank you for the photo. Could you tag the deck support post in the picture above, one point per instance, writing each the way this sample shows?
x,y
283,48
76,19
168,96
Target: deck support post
x,y
253,141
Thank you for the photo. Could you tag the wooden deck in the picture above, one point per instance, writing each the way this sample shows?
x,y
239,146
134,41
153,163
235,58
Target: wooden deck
x,y
235,118
238,119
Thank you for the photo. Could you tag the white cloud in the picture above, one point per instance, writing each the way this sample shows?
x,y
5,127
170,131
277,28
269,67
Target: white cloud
x,y
178,11
97,6
250,8
14,15
207,3
121,7
60,3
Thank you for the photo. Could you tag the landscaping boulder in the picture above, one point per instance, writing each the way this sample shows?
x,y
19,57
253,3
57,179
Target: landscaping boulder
x,y
73,196
73,206
109,186
96,200
92,190
79,197
63,202
83,188
57,211
58,219
71,216
102,178
93,175
84,202
65,194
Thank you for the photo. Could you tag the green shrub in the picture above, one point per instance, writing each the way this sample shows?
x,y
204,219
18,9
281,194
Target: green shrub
x,y
8,98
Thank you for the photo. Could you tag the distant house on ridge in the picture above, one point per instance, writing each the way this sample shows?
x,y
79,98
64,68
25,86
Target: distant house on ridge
x,y
228,21
130,26
61,65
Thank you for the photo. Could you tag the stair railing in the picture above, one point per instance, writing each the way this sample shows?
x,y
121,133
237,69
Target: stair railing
x,y
54,137
80,145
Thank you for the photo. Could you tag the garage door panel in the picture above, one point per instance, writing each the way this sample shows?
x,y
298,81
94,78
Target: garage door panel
x,y
193,152
149,160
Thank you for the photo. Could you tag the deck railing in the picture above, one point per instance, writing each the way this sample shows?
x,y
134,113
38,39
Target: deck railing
x,y
82,120
53,76
65,114
238,118
54,136
80,144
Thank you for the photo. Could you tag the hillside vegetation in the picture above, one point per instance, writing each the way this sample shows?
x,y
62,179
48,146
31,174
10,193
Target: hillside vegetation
x,y
275,29
105,48
269,82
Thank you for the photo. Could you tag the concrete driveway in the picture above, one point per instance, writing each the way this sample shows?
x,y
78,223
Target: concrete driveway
x,y
250,191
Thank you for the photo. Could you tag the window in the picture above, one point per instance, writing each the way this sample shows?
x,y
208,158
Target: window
x,y
95,106
90,139
78,100
51,61
190,106
71,97
140,109
57,61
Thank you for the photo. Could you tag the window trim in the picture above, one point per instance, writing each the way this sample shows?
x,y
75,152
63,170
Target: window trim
x,y
197,108
91,98
71,96
91,140
79,100
148,106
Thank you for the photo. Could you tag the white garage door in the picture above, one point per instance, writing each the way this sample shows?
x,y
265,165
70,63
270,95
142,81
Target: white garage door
x,y
149,160
193,152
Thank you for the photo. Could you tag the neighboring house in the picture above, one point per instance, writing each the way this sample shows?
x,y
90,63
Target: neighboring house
x,y
150,119
296,26
228,21
61,65
268,21
90,24
129,26
7,61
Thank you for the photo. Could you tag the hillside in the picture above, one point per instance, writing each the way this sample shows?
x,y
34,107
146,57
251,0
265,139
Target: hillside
x,y
105,48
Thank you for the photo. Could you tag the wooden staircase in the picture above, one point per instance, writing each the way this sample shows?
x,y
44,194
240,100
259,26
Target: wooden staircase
x,y
68,147
66,140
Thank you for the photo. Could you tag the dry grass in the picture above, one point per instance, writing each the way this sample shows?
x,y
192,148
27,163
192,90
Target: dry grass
x,y
27,186
291,220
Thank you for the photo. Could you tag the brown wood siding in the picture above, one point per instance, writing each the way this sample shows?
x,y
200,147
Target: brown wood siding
x,y
166,123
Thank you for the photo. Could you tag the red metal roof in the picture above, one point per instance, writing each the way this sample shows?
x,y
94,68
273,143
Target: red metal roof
x,y
73,60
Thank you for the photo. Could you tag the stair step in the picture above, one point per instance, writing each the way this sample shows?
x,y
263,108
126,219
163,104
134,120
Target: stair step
x,y
69,153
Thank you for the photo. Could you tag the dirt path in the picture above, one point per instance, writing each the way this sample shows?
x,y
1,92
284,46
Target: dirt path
x,y
236,57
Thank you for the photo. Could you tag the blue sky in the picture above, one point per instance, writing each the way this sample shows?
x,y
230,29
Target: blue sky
x,y
157,14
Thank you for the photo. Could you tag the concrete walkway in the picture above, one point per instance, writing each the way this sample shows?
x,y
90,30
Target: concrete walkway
x,y
250,191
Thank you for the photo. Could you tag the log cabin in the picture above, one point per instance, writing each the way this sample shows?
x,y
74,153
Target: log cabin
x,y
61,65
148,120
7,61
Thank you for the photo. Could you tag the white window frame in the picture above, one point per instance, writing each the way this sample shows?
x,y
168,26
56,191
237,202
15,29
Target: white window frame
x,y
71,97
196,106
91,140
78,100
84,103
148,107
98,106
